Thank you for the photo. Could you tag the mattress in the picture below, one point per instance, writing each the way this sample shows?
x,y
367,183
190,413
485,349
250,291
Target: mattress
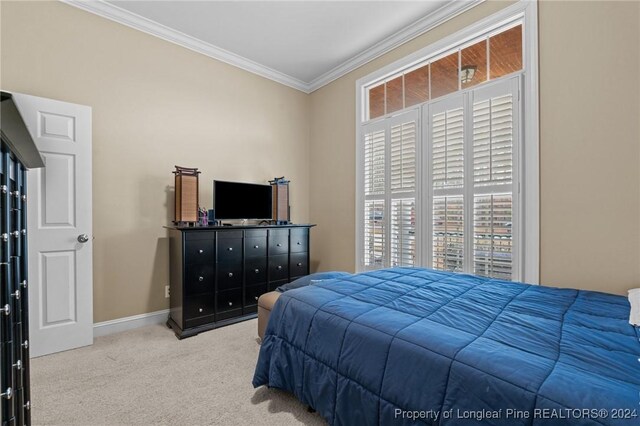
x,y
418,346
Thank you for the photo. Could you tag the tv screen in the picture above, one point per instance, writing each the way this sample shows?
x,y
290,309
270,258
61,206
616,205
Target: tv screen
x,y
236,200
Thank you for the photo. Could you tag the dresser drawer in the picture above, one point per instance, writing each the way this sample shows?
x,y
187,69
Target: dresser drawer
x,y
253,293
255,233
278,241
229,249
255,247
199,252
255,270
199,278
228,275
199,306
279,267
229,300
299,240
299,265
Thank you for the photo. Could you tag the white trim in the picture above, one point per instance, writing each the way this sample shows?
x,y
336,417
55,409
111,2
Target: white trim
x,y
129,323
122,16
132,20
421,26
530,191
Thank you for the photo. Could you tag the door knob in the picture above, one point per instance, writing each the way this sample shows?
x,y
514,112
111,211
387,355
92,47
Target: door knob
x,y
83,238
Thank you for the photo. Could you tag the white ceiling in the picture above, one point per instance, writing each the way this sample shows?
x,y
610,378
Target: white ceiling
x,y
304,44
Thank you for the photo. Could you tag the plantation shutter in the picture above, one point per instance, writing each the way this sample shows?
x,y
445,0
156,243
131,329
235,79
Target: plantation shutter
x,y
448,148
403,130
390,179
403,230
446,161
374,163
374,226
374,233
494,121
403,157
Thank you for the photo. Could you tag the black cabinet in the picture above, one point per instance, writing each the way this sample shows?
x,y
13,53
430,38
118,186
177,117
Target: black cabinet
x,y
17,152
218,273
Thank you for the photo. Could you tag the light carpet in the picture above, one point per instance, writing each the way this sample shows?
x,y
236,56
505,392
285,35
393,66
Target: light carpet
x,y
148,377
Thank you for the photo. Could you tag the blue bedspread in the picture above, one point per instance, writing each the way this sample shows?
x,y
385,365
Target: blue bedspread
x,y
412,345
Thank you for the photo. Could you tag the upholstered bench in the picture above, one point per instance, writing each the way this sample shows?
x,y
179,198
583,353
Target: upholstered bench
x,y
268,300
265,305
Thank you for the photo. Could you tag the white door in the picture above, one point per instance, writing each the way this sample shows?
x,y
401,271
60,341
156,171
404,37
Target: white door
x,y
60,227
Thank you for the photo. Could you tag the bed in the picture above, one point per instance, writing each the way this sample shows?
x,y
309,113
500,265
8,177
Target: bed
x,y
418,346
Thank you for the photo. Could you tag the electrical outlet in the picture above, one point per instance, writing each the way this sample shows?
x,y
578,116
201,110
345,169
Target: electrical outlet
x,y
166,291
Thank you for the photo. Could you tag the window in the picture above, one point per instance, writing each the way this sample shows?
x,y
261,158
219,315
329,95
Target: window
x,y
472,139
390,184
465,66
440,158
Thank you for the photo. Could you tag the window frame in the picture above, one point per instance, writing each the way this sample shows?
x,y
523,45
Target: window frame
x,y
528,188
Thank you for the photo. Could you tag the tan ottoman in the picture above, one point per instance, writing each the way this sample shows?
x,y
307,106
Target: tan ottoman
x,y
265,305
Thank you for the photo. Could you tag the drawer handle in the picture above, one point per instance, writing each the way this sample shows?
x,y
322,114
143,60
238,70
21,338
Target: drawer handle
x,y
24,284
230,249
299,243
18,365
199,309
230,303
299,263
16,294
25,344
230,274
279,245
256,247
255,297
6,310
27,406
7,394
257,271
200,251
279,267
200,278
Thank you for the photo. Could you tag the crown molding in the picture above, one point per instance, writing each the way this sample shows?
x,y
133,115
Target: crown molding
x,y
132,20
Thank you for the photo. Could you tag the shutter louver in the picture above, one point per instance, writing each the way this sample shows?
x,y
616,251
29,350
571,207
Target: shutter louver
x,y
403,229
493,141
374,163
374,233
492,236
448,233
448,149
403,157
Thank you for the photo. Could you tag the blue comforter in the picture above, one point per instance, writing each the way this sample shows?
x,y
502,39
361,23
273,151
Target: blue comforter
x,y
412,345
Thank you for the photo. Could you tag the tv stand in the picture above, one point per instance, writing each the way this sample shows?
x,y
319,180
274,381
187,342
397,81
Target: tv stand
x,y
219,272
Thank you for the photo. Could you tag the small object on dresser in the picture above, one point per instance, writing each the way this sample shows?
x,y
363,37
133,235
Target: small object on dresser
x,y
211,217
203,217
280,204
186,185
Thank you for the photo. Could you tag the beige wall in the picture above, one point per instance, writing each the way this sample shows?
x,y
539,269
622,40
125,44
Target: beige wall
x,y
589,146
155,105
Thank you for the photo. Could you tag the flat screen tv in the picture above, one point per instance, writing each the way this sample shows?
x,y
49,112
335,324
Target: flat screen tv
x,y
237,200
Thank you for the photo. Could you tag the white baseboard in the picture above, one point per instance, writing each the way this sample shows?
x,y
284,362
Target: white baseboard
x,y
129,323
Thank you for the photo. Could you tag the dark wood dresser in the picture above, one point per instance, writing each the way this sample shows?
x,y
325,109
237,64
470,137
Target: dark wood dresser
x,y
17,153
219,272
